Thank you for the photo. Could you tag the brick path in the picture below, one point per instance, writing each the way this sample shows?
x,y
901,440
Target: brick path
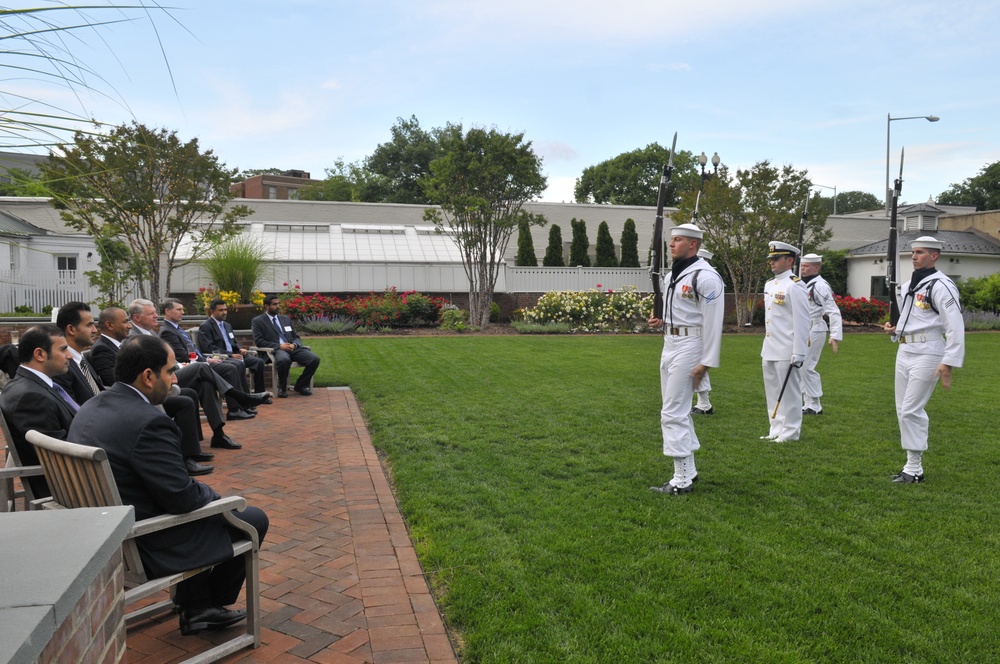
x,y
340,581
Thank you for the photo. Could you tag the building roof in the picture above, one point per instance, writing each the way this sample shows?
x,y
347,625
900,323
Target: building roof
x,y
12,225
955,242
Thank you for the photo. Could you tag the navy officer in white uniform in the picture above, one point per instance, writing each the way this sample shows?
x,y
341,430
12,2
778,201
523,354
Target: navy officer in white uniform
x,y
931,336
703,404
786,338
821,302
693,306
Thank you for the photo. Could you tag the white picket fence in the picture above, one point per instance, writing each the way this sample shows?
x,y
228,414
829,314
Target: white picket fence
x,y
40,288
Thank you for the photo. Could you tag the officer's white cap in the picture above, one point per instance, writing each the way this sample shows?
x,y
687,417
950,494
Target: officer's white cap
x,y
778,249
927,242
812,258
687,230
706,254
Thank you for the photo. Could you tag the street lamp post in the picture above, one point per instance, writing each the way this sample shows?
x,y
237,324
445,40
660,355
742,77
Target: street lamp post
x,y
888,124
834,195
703,161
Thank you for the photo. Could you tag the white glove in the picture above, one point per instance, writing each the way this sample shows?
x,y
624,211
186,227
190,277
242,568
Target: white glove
x,y
797,360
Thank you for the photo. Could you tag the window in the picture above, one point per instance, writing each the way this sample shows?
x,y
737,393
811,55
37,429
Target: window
x,y
879,289
272,193
66,263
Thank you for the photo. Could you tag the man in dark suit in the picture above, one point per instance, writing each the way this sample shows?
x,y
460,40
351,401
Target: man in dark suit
x,y
272,330
32,401
114,325
231,370
143,447
83,383
215,335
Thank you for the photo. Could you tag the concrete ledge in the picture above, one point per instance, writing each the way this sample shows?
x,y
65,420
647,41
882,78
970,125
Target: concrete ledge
x,y
50,559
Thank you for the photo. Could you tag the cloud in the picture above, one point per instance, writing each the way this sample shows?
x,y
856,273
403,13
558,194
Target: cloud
x,y
555,151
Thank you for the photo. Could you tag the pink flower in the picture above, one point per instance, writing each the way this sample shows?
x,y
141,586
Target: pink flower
x,y
285,284
598,285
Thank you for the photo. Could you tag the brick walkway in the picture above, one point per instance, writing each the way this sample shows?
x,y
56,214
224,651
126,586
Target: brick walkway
x,y
340,581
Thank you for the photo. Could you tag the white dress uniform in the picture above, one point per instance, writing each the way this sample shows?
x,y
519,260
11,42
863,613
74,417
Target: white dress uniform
x,y
692,335
820,302
930,332
786,321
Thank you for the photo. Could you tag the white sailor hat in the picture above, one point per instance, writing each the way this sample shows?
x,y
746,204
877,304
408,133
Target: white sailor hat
x,y
706,254
812,258
927,242
778,249
687,230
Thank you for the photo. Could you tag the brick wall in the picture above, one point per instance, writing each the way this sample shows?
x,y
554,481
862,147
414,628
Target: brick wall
x,y
95,629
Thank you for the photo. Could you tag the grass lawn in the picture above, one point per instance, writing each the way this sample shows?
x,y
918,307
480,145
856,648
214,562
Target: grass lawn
x,y
522,465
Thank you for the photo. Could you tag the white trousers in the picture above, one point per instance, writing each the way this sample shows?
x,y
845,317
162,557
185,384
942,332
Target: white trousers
x,y
679,358
788,422
812,385
915,381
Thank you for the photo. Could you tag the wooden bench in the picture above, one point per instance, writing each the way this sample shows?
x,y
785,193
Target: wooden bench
x,y
80,476
14,469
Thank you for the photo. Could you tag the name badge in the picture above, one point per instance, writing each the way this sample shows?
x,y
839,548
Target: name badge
x,y
232,336
288,328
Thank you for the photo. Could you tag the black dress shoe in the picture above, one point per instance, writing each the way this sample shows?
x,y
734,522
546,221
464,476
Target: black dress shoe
x,y
202,456
703,411
212,617
906,478
304,391
251,409
239,415
282,393
195,468
225,442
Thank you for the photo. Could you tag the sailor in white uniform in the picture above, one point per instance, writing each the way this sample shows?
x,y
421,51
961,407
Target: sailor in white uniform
x,y
786,338
931,336
692,336
703,404
821,303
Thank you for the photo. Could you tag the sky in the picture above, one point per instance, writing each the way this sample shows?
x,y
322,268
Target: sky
x,y
299,84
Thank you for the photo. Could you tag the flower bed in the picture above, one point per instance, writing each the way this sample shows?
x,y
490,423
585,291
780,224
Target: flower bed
x,y
593,311
386,309
862,310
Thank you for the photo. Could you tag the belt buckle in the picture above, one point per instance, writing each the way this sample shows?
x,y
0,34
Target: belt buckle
x,y
675,331
902,339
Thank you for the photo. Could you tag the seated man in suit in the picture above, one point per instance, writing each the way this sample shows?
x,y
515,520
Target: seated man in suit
x,y
143,447
199,376
32,401
272,330
215,335
114,325
231,369
83,383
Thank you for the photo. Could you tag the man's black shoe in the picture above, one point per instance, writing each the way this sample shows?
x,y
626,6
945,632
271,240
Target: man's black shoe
x,y
212,617
304,391
244,399
703,411
202,456
239,415
672,490
282,393
195,468
810,411
906,478
224,442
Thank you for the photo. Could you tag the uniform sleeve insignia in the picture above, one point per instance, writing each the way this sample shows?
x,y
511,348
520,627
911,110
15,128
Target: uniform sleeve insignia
x,y
794,278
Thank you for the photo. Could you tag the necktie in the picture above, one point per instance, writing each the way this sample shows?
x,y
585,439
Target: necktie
x,y
64,395
277,326
190,344
88,376
225,337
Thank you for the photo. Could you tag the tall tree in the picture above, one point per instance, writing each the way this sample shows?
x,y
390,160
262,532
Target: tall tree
x,y
633,178
579,245
525,245
630,245
605,249
982,190
396,170
341,184
481,183
554,251
742,213
148,189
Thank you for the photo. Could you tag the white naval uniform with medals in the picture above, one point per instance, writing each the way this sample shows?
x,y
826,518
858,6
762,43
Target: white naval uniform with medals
x,y
820,302
930,332
692,335
786,321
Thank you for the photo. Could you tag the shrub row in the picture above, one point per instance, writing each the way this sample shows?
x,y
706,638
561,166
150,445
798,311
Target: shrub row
x,y
387,309
594,310
862,310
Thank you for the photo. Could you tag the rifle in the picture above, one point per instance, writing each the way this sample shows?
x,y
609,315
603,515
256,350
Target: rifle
x,y
656,256
802,230
890,261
